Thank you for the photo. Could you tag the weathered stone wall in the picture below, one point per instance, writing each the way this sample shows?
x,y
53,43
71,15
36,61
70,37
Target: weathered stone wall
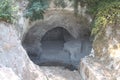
x,y
13,56
107,48
76,26
104,64
7,74
14,61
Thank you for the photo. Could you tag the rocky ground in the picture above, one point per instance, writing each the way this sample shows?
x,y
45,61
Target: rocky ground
x,y
60,73
50,73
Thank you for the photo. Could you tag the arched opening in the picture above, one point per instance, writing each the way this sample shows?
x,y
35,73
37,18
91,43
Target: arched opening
x,y
57,47
53,47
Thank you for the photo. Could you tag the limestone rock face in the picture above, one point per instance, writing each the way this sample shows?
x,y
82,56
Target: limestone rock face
x,y
7,74
16,65
14,61
104,63
107,46
76,26
14,57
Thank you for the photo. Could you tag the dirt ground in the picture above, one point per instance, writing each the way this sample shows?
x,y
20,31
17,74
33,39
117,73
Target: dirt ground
x,y
60,73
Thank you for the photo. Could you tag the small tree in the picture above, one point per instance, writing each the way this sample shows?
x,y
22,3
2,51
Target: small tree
x,y
35,9
8,11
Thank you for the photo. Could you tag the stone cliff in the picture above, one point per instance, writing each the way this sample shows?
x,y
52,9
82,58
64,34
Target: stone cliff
x,y
15,63
104,62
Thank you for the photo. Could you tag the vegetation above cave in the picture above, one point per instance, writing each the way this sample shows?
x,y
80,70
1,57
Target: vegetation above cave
x,y
7,11
108,13
103,12
35,9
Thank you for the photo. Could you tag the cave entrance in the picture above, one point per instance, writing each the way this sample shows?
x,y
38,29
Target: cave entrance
x,y
57,47
53,53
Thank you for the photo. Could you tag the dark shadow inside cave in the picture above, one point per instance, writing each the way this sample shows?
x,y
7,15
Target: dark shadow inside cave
x,y
53,47
56,48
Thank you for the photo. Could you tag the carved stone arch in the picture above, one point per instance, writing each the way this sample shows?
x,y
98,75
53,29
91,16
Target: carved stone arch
x,y
57,33
68,22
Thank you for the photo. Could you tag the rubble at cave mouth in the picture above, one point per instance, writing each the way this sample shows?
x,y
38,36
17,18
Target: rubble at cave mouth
x,y
56,48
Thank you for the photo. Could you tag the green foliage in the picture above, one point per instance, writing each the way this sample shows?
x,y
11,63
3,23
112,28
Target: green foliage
x,y
103,12
93,5
35,9
60,3
107,14
6,11
76,6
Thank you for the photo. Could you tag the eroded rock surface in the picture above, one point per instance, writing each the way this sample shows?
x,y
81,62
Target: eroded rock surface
x,y
60,73
14,57
104,63
58,38
7,74
16,65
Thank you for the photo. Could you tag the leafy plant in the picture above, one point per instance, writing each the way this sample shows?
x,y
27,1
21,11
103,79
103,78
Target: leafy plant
x,y
6,11
107,14
35,9
60,3
103,12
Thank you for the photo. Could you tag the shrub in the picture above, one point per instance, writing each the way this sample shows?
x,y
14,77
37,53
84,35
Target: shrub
x,y
60,3
107,14
6,11
35,9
